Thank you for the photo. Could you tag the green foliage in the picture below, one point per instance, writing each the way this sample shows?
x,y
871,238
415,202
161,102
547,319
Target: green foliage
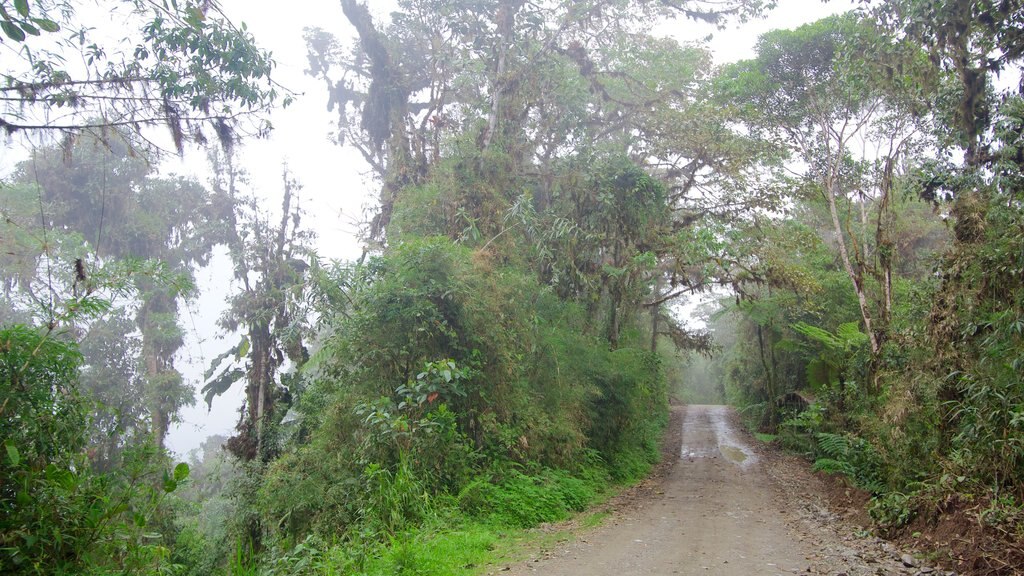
x,y
891,511
42,414
522,420
836,353
393,501
852,457
57,514
23,22
630,412
318,489
452,553
797,433
193,66
522,501
399,420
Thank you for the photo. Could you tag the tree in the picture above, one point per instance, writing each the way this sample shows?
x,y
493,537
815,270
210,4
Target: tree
x,y
98,203
973,40
499,73
113,378
852,123
270,262
181,64
464,106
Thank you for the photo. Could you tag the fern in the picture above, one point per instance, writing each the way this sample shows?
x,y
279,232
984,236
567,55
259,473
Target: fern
x,y
807,421
851,336
852,457
830,466
819,335
834,445
834,352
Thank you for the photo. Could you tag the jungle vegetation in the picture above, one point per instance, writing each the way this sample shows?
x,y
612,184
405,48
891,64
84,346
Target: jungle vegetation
x,y
554,180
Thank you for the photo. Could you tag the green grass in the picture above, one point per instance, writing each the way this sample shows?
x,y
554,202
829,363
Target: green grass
x,y
523,501
594,520
451,553
470,550
487,531
482,529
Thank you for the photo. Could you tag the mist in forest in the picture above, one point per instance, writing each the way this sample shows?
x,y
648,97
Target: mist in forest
x,y
343,287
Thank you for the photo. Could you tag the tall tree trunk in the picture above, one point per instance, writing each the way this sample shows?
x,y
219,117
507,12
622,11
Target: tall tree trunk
x,y
855,278
656,313
769,375
158,415
505,20
885,247
384,113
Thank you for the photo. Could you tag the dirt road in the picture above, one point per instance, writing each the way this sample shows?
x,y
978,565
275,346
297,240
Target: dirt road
x,y
720,505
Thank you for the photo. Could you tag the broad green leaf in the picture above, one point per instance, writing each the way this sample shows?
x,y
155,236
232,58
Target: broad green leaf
x,y
22,7
46,24
243,348
217,361
181,472
221,384
12,453
170,484
12,31
29,28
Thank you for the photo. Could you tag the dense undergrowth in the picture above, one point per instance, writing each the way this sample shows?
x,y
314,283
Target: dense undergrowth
x,y
553,178
931,426
880,332
451,399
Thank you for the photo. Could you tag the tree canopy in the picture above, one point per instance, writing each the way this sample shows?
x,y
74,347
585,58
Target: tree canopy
x,y
179,64
558,185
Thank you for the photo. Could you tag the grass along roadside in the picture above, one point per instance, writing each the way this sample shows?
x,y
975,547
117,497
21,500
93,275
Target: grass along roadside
x,y
490,526
455,544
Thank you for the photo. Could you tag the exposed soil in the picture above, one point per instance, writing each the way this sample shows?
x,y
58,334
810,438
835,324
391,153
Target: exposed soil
x,y
960,540
722,503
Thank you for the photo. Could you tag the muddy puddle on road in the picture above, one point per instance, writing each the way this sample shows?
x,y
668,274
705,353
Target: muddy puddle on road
x,y
733,454
707,434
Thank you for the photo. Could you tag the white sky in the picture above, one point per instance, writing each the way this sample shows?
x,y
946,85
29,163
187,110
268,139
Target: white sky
x,y
336,193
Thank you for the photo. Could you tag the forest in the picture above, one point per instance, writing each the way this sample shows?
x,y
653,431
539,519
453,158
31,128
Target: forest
x,y
576,221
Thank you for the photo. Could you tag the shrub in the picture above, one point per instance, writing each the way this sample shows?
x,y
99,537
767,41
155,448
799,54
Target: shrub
x,y
522,501
58,515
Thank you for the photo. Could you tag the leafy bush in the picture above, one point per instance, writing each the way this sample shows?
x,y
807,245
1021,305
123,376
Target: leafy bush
x,y
629,412
520,500
392,500
891,511
798,432
58,515
448,381
852,457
